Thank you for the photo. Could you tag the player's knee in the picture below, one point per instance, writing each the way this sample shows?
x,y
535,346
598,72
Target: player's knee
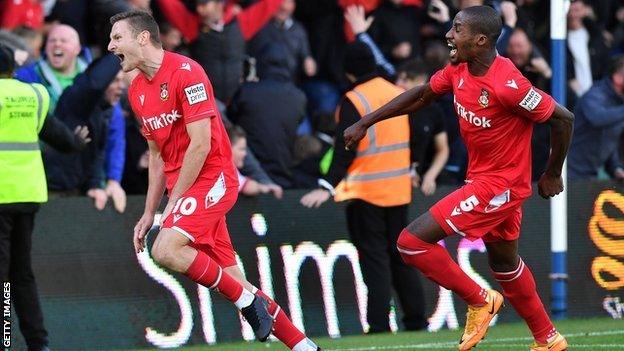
x,y
409,245
504,263
162,255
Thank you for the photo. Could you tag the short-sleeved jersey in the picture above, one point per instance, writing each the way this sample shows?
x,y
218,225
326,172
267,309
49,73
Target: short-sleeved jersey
x,y
496,114
178,94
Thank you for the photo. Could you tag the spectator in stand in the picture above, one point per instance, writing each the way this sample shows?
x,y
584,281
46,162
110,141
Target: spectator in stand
x,y
598,125
285,29
15,13
323,20
359,24
85,99
397,30
588,53
270,111
18,45
134,180
246,185
313,153
34,41
436,57
170,37
217,37
61,64
528,59
115,148
428,139
530,62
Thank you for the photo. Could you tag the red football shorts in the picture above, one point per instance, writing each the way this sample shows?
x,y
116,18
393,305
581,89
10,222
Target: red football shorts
x,y
480,210
199,215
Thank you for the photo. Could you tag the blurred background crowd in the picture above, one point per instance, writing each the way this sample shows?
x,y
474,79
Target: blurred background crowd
x,y
278,70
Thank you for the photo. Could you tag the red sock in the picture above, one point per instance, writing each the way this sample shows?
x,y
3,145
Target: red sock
x,y
436,264
519,288
283,329
208,273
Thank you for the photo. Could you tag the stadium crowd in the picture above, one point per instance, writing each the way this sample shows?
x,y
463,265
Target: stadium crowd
x,y
277,68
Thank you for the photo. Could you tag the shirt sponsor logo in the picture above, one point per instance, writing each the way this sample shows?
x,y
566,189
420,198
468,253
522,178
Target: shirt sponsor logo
x,y
196,93
471,117
531,100
157,122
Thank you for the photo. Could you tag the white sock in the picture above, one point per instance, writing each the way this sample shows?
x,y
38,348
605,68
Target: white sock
x,y
305,345
245,299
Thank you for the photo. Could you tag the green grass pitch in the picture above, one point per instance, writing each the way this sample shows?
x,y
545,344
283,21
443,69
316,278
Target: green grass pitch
x,y
600,334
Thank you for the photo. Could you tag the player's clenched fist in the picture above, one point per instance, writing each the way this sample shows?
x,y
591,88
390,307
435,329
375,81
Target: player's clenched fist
x,y
353,135
549,185
140,229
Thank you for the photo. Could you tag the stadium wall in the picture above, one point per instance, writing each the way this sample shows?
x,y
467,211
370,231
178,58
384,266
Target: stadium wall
x,y
97,294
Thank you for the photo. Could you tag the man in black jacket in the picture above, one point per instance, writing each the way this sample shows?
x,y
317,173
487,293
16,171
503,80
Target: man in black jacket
x,y
270,111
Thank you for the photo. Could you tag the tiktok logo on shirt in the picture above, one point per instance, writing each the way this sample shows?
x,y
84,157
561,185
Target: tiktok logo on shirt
x,y
470,116
157,122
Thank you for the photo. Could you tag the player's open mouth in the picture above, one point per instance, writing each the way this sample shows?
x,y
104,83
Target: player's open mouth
x,y
453,48
121,57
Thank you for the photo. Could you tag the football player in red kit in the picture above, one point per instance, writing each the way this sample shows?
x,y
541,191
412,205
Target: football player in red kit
x,y
190,157
496,107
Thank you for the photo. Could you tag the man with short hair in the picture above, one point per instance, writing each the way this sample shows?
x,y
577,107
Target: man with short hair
x,y
190,156
497,108
61,63
598,126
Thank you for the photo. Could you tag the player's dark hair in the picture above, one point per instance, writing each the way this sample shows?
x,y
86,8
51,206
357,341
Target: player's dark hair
x,y
139,21
484,20
414,68
235,132
616,64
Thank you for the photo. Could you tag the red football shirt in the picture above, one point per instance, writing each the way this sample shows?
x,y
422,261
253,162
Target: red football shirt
x,y
181,93
496,114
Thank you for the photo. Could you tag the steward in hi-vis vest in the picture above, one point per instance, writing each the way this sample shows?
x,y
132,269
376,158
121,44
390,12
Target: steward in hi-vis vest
x,y
23,122
380,172
374,180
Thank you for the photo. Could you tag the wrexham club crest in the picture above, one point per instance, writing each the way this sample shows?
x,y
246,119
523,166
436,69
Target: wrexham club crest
x,y
483,99
164,93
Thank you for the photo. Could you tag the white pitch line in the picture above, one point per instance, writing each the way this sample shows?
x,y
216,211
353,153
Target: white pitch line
x,y
494,342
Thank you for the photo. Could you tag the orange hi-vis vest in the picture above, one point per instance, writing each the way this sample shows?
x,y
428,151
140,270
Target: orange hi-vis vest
x,y
380,172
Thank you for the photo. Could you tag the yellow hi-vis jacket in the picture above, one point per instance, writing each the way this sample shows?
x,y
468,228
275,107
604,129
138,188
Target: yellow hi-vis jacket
x,y
380,172
23,109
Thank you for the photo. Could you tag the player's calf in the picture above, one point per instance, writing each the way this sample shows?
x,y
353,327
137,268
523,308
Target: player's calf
x,y
205,271
436,264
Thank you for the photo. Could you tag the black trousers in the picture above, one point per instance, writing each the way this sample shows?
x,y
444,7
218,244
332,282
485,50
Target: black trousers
x,y
374,231
16,227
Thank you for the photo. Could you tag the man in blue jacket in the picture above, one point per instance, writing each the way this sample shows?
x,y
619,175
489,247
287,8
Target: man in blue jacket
x,y
597,127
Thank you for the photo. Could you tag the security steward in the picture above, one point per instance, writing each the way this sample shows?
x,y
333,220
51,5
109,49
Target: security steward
x,y
375,182
23,122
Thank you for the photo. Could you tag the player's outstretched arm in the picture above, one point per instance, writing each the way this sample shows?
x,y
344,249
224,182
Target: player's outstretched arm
x,y
561,126
408,102
155,190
